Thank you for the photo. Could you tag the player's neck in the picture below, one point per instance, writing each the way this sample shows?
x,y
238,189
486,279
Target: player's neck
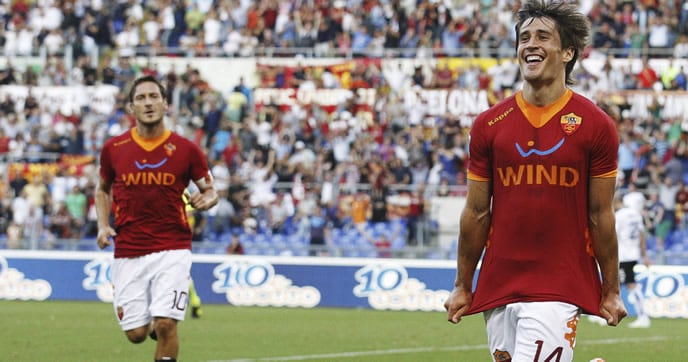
x,y
543,95
150,130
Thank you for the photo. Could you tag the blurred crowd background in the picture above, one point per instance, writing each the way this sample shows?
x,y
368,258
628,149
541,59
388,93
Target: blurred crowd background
x,y
304,180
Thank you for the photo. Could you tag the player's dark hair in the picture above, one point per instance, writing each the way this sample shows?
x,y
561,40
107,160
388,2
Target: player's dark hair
x,y
572,25
144,79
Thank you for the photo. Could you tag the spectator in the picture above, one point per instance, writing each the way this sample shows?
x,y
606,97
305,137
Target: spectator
x,y
233,42
221,217
360,40
235,247
37,192
62,224
659,33
302,156
4,142
20,207
318,231
409,42
127,40
212,119
627,160
657,221
237,105
76,204
54,42
248,43
647,77
212,28
280,212
150,27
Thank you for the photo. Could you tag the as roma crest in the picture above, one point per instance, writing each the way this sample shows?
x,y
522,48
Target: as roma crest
x,y
501,356
570,123
170,148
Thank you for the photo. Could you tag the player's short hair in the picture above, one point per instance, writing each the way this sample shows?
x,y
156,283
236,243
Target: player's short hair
x,y
144,79
572,25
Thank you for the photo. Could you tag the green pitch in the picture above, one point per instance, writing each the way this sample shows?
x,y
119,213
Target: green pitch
x,y
87,331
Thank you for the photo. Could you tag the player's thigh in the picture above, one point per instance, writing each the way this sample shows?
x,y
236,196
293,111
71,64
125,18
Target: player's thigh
x,y
130,286
546,331
170,286
501,332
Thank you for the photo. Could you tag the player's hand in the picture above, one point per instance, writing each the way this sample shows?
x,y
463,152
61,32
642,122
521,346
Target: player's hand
x,y
105,235
457,304
202,201
612,309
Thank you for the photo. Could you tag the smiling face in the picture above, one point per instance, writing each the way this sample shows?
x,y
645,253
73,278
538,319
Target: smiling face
x,y
540,56
148,105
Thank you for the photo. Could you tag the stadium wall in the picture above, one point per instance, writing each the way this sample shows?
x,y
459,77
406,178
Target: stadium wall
x,y
389,284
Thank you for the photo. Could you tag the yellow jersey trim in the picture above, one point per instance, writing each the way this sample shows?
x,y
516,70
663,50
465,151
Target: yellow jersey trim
x,y
538,116
610,174
149,144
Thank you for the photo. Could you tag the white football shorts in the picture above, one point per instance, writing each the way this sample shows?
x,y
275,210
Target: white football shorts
x,y
153,285
532,331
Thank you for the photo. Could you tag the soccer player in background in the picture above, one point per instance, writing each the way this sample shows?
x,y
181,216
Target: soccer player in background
x,y
143,173
630,230
541,173
194,299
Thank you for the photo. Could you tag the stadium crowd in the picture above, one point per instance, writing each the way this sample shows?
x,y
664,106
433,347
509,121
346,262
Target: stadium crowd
x,y
284,170
319,27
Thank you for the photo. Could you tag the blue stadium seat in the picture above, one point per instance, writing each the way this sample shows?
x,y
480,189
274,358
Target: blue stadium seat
x,y
247,239
351,253
226,237
261,239
344,240
435,255
300,251
677,258
651,243
297,240
278,240
251,250
398,243
87,246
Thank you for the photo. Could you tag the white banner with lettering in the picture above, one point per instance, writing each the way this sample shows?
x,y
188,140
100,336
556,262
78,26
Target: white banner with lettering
x,y
66,99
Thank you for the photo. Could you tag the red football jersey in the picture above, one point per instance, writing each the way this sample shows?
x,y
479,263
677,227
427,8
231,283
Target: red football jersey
x,y
541,157
148,178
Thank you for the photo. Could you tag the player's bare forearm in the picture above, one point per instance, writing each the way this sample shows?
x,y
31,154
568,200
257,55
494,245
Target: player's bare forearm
x,y
605,246
603,232
103,204
474,225
474,228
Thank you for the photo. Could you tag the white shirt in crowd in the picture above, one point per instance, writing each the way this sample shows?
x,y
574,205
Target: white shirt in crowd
x,y
629,228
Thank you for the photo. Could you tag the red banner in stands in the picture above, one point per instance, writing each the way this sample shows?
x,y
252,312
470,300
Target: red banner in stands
x,y
73,165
